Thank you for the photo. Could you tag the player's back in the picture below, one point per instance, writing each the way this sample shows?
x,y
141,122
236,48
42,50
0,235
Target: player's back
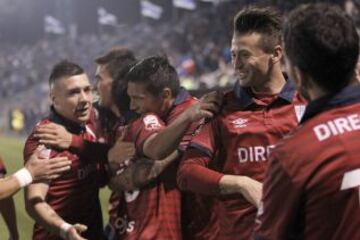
x,y
328,173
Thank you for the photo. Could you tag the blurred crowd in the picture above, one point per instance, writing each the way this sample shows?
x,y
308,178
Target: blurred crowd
x,y
196,42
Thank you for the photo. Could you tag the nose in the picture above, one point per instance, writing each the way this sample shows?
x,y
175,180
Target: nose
x,y
132,105
237,62
85,96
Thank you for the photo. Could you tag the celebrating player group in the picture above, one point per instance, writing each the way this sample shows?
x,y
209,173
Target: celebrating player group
x,y
276,157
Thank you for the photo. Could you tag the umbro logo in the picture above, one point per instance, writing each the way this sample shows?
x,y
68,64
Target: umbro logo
x,y
240,122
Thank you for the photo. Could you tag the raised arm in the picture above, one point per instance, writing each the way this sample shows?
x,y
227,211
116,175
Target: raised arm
x,y
56,136
166,141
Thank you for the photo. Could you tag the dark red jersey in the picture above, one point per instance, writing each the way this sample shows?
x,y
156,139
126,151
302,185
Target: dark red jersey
x,y
311,190
238,142
139,211
73,196
2,168
154,212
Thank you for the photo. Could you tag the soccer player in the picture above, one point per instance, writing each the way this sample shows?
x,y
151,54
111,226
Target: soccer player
x,y
60,207
153,211
113,114
311,190
228,156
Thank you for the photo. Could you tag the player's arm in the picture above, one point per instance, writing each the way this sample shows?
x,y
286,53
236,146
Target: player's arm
x,y
42,213
248,187
166,141
139,173
195,175
55,135
7,209
35,169
276,216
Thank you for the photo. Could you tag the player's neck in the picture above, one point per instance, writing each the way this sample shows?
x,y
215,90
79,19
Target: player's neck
x,y
273,85
167,107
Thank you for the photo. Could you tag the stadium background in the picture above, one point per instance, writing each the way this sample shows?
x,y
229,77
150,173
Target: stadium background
x,y
35,34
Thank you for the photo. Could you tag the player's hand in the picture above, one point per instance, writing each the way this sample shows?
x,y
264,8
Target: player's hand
x,y
207,106
53,135
121,152
46,169
75,231
250,189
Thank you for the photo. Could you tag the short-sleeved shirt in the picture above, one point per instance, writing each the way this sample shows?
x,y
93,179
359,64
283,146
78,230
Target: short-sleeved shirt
x,y
2,168
311,190
238,142
74,195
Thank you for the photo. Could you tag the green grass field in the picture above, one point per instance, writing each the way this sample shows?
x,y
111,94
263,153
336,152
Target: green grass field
x,y
11,151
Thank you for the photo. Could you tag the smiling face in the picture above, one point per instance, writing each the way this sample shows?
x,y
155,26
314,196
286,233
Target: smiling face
x,y
72,98
250,61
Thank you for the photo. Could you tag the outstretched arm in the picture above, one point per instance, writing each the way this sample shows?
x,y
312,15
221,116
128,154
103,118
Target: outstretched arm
x,y
35,169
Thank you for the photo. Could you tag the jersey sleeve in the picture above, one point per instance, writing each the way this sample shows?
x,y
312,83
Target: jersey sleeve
x,y
204,139
140,130
194,172
30,145
188,136
92,150
2,168
281,201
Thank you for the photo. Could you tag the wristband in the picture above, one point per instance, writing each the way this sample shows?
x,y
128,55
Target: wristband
x,y
24,177
64,228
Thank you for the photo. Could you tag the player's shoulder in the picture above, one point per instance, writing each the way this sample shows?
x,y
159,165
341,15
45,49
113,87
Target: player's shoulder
x,y
148,121
186,103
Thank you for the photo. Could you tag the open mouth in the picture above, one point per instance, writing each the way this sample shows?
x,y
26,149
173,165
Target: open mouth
x,y
82,111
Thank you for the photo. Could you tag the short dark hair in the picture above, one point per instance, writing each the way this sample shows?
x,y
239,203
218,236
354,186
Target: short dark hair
x,y
156,73
321,40
64,69
265,21
115,59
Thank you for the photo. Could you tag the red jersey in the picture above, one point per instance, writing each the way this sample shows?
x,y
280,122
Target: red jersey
x,y
73,196
154,212
237,142
2,168
140,214
311,191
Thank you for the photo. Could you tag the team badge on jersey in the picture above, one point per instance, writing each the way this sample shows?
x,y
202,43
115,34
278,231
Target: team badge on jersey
x,y
151,122
299,111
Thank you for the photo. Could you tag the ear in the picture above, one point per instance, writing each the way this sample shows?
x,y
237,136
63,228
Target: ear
x,y
166,93
277,54
52,97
